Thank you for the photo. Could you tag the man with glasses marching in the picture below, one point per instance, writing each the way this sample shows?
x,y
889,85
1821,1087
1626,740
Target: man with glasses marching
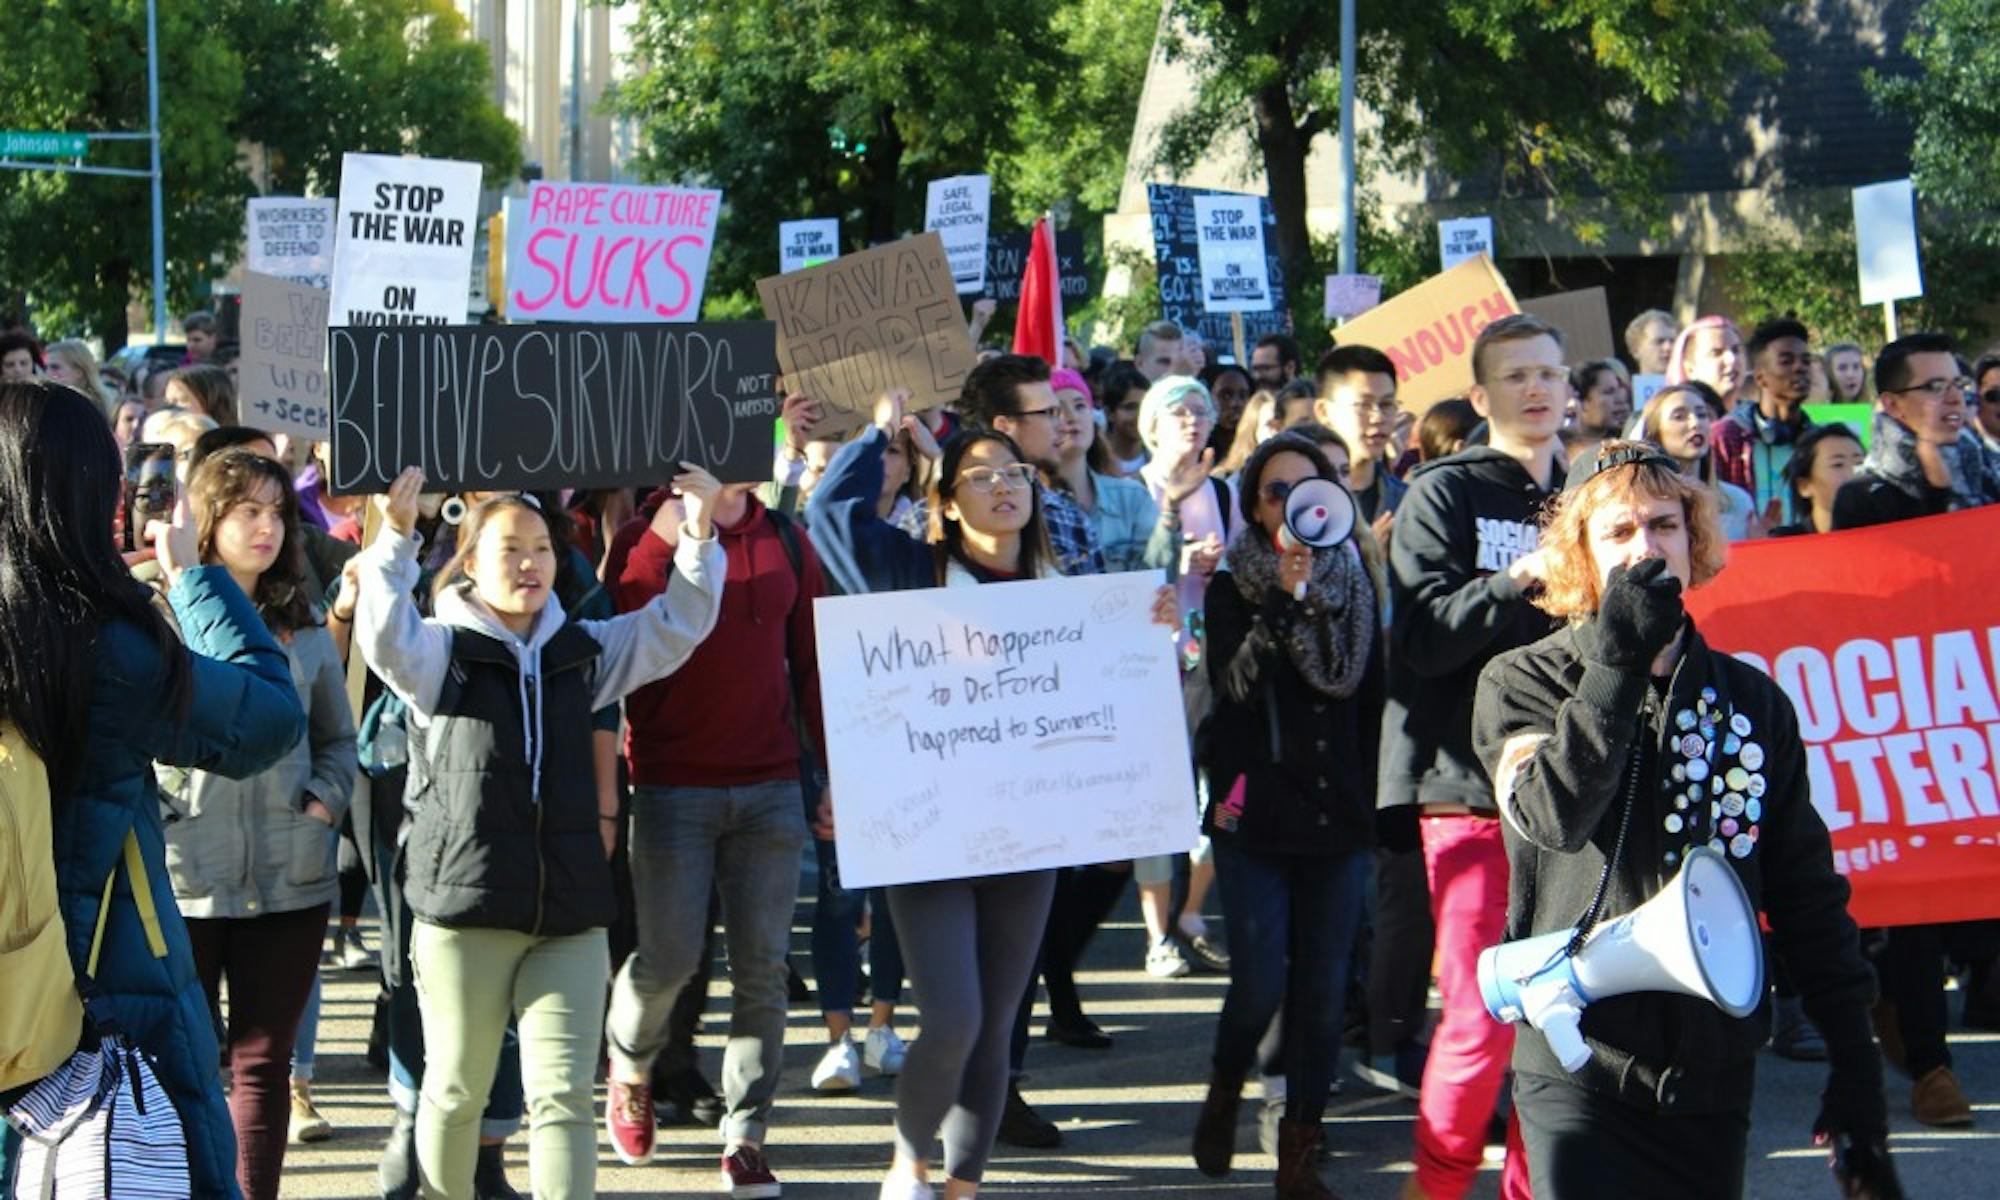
x,y
1011,394
1925,459
1986,379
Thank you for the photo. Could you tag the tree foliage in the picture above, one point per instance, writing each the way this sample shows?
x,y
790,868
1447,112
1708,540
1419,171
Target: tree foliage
x,y
1955,101
307,79
848,108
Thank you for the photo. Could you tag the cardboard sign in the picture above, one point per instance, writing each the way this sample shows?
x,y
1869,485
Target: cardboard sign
x,y
1584,316
1428,331
959,210
1885,242
1007,259
1464,238
403,242
883,318
517,407
1351,295
1230,248
1884,640
290,238
281,375
803,244
1009,727
605,252
1177,251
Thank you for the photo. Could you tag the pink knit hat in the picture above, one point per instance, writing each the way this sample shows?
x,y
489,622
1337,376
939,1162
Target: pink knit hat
x,y
1067,378
1676,371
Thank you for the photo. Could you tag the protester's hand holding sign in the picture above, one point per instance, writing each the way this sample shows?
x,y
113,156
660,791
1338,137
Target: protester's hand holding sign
x,y
802,415
698,490
1167,607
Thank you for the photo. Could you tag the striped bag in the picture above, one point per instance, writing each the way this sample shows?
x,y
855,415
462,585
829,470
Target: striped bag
x,y
101,1125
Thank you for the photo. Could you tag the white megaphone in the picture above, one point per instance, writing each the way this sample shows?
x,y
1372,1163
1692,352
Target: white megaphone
x,y
1318,513
1698,937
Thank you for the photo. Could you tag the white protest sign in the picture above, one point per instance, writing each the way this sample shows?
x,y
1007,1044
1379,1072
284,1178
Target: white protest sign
x,y
281,374
1008,727
959,209
290,238
1352,295
1645,386
403,247
607,253
1463,238
1885,242
1235,277
803,244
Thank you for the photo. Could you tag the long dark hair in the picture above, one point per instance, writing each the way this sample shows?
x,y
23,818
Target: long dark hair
x,y
948,540
229,478
61,577
1252,477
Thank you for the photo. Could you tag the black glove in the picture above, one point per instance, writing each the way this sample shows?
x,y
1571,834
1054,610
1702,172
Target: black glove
x,y
1853,1122
1863,1171
1638,616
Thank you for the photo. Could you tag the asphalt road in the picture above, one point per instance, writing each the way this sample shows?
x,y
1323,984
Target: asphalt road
x,y
1125,1113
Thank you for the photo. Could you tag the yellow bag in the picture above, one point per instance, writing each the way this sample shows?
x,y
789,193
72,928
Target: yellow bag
x,y
41,1018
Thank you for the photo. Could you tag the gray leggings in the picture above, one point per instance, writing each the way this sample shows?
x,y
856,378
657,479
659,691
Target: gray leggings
x,y
969,946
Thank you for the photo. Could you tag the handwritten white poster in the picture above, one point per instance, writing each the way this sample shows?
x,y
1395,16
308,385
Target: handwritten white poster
x,y
290,238
1008,727
960,209
403,247
1351,295
282,372
1235,277
803,244
1463,238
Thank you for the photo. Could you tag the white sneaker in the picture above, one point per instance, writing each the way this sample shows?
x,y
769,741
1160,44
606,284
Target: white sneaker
x,y
1165,961
839,1069
905,1189
884,1051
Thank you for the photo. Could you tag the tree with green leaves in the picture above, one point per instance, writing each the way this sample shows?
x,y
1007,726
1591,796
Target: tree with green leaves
x,y
300,81
1954,98
1515,98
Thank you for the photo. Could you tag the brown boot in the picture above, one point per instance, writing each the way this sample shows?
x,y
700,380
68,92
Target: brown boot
x,y
1412,1190
1298,1162
1215,1129
1937,1100
1890,1034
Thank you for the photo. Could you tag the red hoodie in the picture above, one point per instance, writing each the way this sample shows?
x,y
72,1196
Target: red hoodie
x,y
725,718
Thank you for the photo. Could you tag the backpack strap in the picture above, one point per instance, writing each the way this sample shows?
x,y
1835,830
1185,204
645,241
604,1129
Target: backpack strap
x,y
788,536
1221,487
142,897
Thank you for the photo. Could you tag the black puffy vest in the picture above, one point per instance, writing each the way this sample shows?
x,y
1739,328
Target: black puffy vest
x,y
483,853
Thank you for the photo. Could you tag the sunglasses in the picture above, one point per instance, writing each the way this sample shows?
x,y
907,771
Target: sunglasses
x,y
1276,490
1990,396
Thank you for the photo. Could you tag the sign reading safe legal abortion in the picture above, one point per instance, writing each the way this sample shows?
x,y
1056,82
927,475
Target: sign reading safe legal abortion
x,y
503,407
603,252
1008,727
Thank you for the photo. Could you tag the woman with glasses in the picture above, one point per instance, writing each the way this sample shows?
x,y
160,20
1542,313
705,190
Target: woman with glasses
x,y
969,945
1295,661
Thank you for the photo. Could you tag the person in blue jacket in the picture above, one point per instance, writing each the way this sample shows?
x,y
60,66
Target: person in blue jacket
x,y
94,679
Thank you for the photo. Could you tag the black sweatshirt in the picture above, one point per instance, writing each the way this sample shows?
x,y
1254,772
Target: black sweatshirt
x,y
1561,821
1452,607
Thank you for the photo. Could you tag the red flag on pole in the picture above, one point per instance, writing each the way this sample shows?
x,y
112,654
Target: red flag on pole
x,y
1039,330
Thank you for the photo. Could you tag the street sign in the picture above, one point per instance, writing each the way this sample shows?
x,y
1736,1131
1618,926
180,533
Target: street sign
x,y
27,143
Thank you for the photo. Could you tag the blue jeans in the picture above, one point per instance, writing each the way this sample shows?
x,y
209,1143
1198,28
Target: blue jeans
x,y
836,950
1292,920
304,1045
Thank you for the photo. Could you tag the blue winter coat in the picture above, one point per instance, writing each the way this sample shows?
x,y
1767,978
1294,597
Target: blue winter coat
x,y
243,715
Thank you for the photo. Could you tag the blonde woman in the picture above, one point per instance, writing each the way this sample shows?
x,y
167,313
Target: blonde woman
x,y
70,363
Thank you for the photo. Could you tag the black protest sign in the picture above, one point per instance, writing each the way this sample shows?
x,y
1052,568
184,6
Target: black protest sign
x,y
1177,250
520,407
887,317
1007,259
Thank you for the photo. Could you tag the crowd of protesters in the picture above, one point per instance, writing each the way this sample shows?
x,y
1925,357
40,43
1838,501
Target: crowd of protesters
x,y
588,735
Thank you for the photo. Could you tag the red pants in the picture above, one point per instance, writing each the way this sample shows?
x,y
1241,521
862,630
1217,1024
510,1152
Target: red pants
x,y
1467,865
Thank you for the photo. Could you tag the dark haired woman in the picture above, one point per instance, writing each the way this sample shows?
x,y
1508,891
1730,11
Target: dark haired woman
x,y
969,945
506,862
1290,758
252,860
96,682
1824,458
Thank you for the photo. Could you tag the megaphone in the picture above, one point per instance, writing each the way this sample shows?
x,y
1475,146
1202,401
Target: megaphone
x,y
1318,513
1699,937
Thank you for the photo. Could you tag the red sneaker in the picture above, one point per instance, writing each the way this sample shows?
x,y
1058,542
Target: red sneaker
x,y
628,1118
745,1175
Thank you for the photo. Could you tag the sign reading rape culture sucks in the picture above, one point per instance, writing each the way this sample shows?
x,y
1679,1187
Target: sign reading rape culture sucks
x,y
1009,727
610,253
1887,643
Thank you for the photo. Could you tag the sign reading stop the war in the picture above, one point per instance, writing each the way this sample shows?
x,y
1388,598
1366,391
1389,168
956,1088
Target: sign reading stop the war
x,y
403,241
1886,642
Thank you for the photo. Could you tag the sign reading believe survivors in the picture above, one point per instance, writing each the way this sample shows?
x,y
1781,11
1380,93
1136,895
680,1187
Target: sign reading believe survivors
x,y
517,407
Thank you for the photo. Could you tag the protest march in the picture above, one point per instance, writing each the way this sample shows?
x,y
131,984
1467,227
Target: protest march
x,y
504,623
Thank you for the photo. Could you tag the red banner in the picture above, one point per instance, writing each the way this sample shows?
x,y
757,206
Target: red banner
x,y
1887,643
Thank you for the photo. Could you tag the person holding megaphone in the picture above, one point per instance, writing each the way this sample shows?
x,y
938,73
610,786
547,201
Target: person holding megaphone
x,y
1633,763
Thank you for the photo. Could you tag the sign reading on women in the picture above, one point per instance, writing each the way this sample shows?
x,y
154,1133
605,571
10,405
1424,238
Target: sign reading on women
x,y
610,252
403,244
1883,639
1010,727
